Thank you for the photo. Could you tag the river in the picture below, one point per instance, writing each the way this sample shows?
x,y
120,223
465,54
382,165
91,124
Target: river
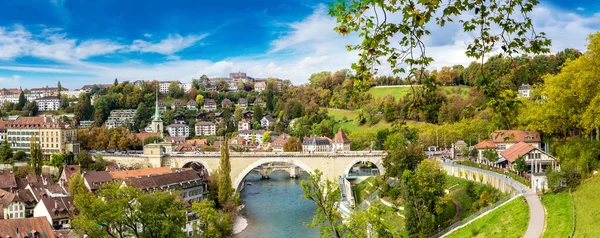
x,y
274,208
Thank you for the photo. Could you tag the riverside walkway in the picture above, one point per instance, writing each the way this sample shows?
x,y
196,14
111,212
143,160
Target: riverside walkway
x,y
536,209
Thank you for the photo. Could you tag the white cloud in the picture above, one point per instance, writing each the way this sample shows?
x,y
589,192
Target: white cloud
x,y
147,35
168,46
580,9
10,81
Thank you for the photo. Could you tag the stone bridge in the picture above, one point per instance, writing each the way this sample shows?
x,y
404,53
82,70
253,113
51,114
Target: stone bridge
x,y
266,170
331,164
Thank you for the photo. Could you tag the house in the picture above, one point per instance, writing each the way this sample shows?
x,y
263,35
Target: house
x,y
211,87
242,103
163,86
226,103
120,118
178,130
244,124
210,105
191,105
481,147
341,141
248,115
237,141
197,142
94,179
205,128
316,144
179,118
190,182
67,173
504,139
525,90
47,90
248,134
49,103
260,102
26,228
176,104
175,140
260,86
232,86
536,160
267,121
57,210
279,142
7,180
11,205
162,107
202,116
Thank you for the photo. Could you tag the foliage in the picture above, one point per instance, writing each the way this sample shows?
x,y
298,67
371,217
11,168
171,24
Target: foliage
x,y
325,194
6,152
36,155
225,189
581,154
490,154
57,160
423,190
293,144
175,90
266,137
23,171
401,159
102,138
213,223
128,212
520,164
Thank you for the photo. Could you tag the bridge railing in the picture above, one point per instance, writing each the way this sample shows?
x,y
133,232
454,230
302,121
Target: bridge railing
x,y
282,154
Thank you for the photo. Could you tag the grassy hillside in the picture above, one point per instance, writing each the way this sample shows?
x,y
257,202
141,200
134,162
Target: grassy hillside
x,y
587,209
339,114
509,220
559,219
400,92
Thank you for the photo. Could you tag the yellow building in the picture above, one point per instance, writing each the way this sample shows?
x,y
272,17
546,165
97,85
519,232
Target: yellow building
x,y
52,135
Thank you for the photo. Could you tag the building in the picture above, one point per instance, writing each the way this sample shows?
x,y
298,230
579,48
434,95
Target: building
x,y
190,182
481,147
179,118
67,173
157,123
242,103
8,181
88,88
162,106
52,135
260,102
176,105
3,123
205,128
536,160
11,205
8,91
178,130
237,142
163,86
232,86
244,124
248,134
210,105
341,141
175,140
95,179
525,90
72,94
279,142
226,103
26,228
57,210
316,144
504,139
49,103
120,118
267,121
47,90
260,86
14,98
191,105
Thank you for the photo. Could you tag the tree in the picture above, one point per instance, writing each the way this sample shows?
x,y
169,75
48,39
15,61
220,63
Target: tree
x,y
116,83
213,223
6,153
258,113
225,189
520,164
36,155
490,154
124,211
77,185
200,99
58,88
266,137
57,160
325,194
175,90
19,155
293,144
22,101
422,191
222,86
402,158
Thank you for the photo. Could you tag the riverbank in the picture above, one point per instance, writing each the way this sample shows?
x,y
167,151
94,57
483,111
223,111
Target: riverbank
x,y
239,224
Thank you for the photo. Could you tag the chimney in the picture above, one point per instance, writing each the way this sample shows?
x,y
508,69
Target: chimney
x,y
55,204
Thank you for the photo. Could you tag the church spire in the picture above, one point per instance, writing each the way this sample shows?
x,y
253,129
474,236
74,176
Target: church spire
x,y
156,111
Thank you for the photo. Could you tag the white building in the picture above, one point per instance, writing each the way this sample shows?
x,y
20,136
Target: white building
x,y
120,118
244,125
72,94
12,206
260,86
178,130
49,103
247,135
14,98
210,105
267,121
341,141
525,90
58,211
163,86
205,128
316,144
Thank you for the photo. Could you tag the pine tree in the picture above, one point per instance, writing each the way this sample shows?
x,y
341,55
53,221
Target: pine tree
x,y
59,88
116,83
22,101
225,188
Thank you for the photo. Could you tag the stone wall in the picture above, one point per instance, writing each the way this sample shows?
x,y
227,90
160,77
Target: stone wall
x,y
498,181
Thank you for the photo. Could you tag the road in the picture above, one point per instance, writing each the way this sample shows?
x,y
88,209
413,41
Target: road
x,y
536,214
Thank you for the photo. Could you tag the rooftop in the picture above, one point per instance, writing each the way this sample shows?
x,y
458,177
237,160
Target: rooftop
x,y
22,227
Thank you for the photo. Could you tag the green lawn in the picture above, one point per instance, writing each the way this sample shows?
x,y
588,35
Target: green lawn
x,y
587,209
363,189
458,189
339,114
559,218
400,92
509,220
391,218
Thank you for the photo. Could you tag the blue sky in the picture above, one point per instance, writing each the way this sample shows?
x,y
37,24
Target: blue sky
x,y
94,41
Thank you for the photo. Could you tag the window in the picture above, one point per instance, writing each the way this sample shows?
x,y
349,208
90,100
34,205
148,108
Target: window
x,y
501,147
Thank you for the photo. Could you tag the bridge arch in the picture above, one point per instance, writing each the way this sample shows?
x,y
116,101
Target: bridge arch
x,y
240,177
378,162
191,161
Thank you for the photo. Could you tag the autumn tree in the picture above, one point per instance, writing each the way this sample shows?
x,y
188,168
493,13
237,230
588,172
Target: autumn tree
x,y
325,194
6,152
293,144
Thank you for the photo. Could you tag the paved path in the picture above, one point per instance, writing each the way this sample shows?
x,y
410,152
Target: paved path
x,y
536,209
536,214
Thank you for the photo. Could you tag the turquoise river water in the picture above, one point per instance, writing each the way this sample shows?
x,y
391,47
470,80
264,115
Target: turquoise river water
x,y
274,208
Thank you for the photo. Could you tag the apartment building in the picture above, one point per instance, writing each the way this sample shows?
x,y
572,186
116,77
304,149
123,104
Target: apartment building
x,y
316,144
52,135
49,103
205,128
14,98
120,118
47,90
178,130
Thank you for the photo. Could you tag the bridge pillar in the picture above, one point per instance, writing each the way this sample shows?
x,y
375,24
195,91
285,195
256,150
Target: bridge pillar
x,y
293,170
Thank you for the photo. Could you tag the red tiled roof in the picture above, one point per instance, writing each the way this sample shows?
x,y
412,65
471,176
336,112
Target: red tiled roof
x,y
96,178
341,137
123,174
486,144
512,153
158,181
59,207
281,140
37,225
142,136
197,142
500,136
7,179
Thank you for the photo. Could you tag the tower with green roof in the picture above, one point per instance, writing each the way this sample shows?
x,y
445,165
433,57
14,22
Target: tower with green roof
x,y
157,122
